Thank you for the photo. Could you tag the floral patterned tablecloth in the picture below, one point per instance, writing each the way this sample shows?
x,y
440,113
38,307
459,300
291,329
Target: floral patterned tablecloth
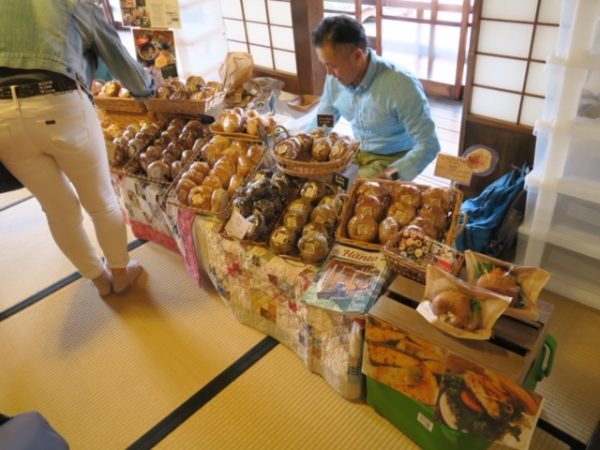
x,y
264,291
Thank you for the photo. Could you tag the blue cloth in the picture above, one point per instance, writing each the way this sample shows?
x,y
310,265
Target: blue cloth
x,y
66,37
30,431
389,113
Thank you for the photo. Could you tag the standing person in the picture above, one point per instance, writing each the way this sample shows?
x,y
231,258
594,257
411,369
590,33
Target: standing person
x,y
384,103
50,136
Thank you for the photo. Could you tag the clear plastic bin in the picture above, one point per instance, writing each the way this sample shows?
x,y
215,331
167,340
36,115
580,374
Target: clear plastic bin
x,y
578,30
574,275
572,154
567,221
572,90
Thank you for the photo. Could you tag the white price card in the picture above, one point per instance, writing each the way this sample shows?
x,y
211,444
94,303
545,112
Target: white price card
x,y
237,226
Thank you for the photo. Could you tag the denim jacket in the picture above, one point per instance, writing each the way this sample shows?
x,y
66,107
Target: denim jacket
x,y
66,37
389,113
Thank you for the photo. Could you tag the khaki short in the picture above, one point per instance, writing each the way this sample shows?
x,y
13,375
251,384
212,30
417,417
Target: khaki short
x,y
371,164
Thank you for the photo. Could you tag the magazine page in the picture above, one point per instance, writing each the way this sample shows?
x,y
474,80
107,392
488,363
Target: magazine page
x,y
349,281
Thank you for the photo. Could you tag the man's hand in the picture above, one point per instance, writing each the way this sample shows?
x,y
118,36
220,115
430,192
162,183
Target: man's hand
x,y
389,173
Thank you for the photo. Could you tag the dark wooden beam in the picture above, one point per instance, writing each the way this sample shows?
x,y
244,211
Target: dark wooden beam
x,y
306,15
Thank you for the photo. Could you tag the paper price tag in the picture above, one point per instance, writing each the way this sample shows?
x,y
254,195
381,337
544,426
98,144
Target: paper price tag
x,y
453,168
423,420
237,226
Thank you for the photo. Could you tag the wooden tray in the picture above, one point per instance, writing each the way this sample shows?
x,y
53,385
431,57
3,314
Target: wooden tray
x,y
120,104
240,136
189,107
511,351
453,230
304,102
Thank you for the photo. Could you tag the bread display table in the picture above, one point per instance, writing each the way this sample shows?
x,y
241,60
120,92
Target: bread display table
x,y
264,291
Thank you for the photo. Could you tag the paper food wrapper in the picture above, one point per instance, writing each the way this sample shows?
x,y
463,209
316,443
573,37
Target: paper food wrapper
x,y
236,70
529,280
492,304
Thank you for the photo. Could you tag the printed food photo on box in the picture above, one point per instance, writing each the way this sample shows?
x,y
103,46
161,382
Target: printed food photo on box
x,y
482,403
403,361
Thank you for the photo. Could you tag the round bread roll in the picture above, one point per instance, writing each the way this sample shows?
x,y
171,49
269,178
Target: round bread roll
x,y
255,153
210,153
403,214
340,148
223,172
294,221
362,228
219,200
454,308
334,201
253,126
243,205
288,148
176,168
436,215
282,241
213,182
194,176
200,197
300,206
321,149
437,196
257,232
232,122
220,141
183,188
234,183
313,226
200,166
145,160
168,157
195,83
314,247
388,228
371,188
501,281
427,226
159,171
408,194
244,166
324,215
313,191
369,205
306,143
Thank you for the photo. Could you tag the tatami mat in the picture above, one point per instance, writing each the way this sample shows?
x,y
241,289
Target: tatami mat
x,y
105,372
10,198
30,259
572,391
279,404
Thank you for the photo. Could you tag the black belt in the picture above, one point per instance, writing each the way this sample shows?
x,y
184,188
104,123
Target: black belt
x,y
39,88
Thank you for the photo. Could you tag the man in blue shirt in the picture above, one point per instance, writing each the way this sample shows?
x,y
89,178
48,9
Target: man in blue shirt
x,y
384,103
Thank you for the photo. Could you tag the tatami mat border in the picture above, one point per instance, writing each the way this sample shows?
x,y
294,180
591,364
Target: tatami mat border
x,y
33,299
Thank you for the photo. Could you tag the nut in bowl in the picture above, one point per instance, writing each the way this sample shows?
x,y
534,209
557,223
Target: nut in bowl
x,y
461,310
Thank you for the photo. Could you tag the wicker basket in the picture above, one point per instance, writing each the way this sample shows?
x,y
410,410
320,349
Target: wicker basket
x,y
188,107
411,269
128,105
312,169
454,229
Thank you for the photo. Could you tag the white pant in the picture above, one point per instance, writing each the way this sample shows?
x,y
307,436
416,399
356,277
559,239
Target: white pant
x,y
47,141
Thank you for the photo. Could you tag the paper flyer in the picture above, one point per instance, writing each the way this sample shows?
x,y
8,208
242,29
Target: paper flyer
x,y
151,13
156,50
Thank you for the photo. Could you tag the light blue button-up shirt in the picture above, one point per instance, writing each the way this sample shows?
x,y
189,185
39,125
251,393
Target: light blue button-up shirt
x,y
67,37
389,113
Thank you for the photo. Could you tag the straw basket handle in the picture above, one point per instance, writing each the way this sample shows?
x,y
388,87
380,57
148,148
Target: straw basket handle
x,y
278,131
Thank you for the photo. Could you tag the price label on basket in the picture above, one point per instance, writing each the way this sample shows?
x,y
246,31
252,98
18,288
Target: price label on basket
x,y
453,168
237,226
325,120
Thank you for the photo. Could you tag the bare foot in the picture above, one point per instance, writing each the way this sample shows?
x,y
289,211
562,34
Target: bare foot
x,y
122,279
103,283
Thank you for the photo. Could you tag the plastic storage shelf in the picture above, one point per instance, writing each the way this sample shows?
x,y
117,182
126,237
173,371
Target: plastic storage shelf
x,y
572,154
561,230
574,275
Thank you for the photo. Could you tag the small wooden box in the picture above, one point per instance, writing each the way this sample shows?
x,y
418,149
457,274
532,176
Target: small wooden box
x,y
510,352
